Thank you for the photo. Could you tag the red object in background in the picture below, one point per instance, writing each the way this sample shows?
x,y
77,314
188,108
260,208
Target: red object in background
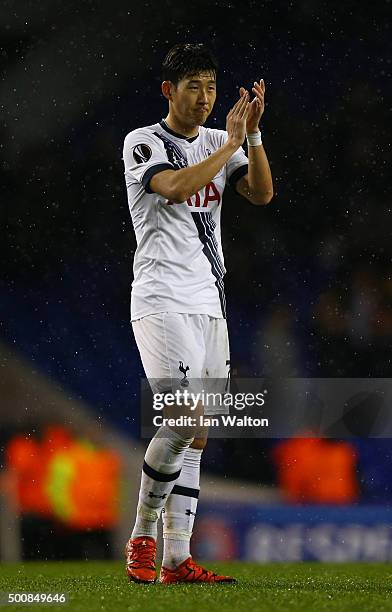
x,y
24,459
30,459
64,478
314,470
94,496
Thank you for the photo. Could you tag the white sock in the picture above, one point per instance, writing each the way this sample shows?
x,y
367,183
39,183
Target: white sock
x,y
161,468
180,510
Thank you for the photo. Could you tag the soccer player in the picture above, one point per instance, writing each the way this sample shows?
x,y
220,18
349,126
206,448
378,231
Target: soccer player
x,y
175,172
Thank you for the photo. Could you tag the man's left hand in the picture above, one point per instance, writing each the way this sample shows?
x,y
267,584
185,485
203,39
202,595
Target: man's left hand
x,y
256,107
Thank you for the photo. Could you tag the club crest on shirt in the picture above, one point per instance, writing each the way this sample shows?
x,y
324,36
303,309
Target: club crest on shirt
x,y
184,381
141,153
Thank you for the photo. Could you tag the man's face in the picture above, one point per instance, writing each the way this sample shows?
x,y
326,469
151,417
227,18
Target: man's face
x,y
194,97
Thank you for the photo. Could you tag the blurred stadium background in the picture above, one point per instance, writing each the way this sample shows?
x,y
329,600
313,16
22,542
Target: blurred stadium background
x,y
309,277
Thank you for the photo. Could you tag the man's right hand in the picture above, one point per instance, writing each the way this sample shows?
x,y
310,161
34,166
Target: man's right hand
x,y
236,121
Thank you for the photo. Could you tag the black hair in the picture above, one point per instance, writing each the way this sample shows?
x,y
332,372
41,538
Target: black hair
x,y
187,59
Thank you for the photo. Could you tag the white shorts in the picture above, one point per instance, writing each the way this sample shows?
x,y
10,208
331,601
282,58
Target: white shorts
x,y
191,348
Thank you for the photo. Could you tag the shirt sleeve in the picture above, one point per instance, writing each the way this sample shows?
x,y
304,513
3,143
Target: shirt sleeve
x,y
144,156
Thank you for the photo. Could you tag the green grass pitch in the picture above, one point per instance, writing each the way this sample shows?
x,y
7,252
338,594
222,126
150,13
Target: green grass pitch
x,y
103,586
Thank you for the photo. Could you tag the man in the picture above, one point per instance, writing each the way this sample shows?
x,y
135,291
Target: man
x,y
175,172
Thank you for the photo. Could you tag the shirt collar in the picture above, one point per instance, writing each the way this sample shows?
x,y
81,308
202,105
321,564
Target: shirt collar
x,y
163,124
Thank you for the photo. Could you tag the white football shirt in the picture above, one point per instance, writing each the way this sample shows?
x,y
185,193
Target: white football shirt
x,y
178,264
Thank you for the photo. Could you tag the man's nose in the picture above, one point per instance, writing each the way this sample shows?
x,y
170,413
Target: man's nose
x,y
203,98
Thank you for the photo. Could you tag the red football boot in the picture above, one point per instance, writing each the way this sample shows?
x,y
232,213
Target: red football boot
x,y
189,571
140,554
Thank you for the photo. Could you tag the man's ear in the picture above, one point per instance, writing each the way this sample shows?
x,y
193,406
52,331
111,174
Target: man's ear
x,y
167,88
